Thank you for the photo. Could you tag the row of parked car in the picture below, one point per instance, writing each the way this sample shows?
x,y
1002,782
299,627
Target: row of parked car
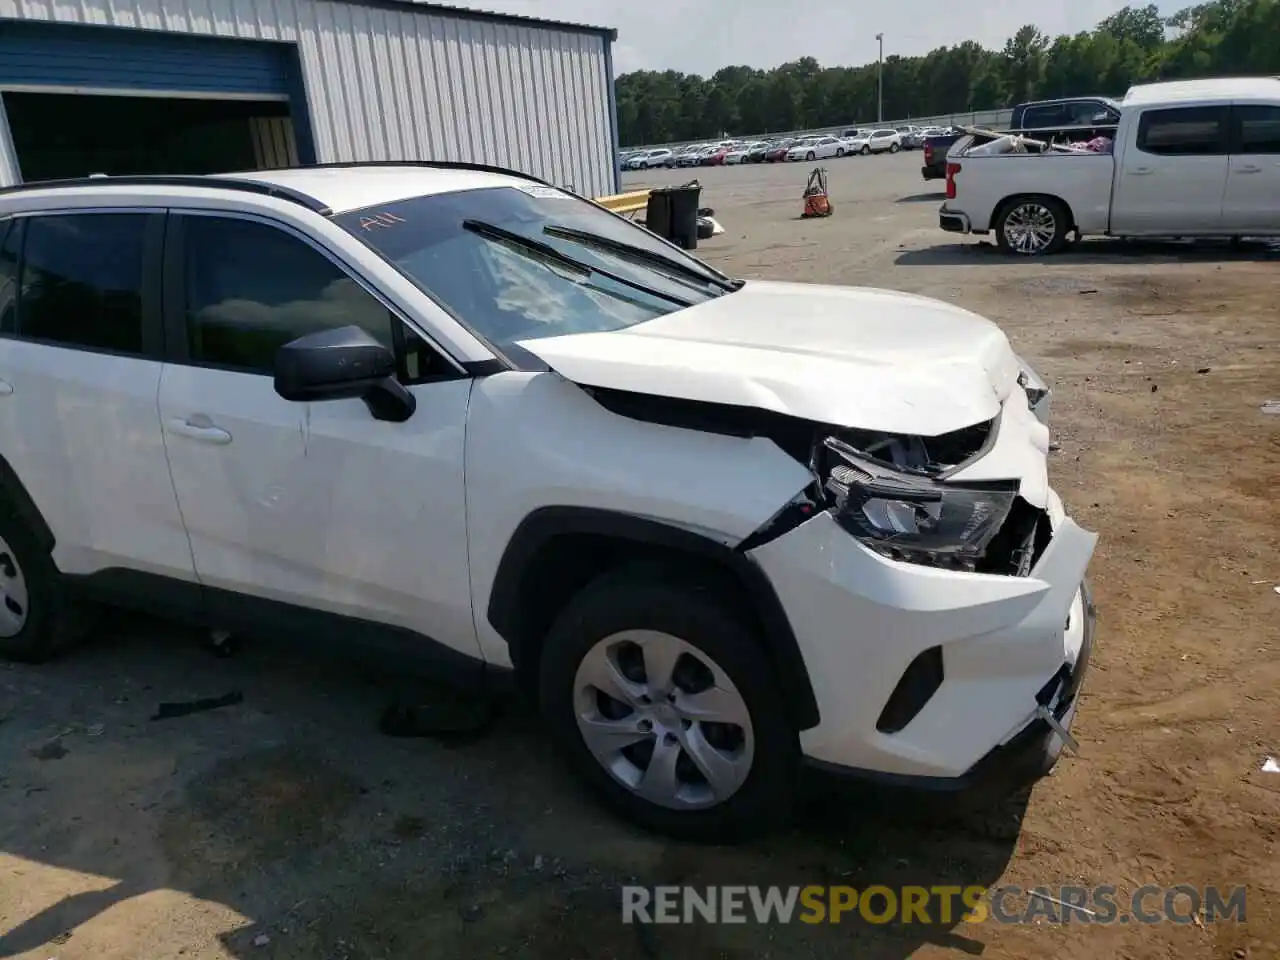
x,y
852,142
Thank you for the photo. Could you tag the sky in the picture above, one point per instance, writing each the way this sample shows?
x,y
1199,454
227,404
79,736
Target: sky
x,y
701,36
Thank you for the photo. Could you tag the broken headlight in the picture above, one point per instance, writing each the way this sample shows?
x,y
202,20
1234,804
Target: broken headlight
x,y
911,517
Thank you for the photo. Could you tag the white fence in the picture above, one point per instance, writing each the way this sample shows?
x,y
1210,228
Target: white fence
x,y
976,118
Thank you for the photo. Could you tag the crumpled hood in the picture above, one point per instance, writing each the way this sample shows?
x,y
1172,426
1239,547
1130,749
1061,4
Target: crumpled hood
x,y
848,356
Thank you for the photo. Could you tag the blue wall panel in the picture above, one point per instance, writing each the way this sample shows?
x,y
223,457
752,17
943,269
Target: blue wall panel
x,y
71,55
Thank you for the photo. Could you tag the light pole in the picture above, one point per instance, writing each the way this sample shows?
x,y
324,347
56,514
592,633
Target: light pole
x,y
880,81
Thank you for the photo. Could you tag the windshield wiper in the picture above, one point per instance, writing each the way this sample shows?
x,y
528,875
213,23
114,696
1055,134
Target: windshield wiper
x,y
545,251
641,256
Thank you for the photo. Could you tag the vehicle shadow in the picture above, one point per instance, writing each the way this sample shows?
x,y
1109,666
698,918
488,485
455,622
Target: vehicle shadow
x,y
309,834
923,197
1097,252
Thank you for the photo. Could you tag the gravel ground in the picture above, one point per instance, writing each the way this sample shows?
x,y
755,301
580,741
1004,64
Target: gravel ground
x,y
287,827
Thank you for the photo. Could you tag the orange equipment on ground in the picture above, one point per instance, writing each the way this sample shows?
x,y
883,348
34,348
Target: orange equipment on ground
x,y
816,201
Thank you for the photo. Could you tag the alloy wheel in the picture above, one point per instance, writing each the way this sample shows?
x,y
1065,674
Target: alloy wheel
x,y
1030,227
13,593
663,719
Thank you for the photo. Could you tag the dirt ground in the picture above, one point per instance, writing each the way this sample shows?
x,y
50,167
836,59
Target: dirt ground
x,y
287,827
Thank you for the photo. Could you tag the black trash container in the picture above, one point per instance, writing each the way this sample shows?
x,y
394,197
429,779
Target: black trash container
x,y
673,214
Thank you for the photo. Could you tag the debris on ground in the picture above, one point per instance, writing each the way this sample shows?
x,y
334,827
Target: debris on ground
x,y
96,729
222,643
449,714
1203,370
51,749
261,940
1270,766
168,711
1271,406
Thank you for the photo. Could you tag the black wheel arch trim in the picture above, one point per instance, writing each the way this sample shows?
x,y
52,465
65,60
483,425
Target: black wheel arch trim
x,y
542,525
25,507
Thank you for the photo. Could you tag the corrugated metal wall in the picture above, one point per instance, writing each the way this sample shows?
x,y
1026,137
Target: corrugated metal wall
x,y
387,82
274,145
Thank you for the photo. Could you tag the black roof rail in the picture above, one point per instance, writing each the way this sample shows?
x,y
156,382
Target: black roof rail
x,y
431,164
179,180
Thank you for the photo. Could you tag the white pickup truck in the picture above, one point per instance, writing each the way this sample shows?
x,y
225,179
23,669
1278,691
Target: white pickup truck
x,y
1191,158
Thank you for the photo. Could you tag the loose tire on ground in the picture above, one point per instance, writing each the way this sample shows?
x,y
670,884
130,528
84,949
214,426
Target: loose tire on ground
x,y
643,602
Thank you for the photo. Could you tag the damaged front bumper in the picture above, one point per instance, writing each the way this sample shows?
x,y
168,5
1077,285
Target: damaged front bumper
x,y
1027,756
1012,649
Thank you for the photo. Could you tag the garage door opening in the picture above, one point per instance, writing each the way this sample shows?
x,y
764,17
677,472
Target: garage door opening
x,y
59,135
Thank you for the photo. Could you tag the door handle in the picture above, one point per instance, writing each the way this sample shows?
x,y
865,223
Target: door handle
x,y
1140,171
6,388
199,427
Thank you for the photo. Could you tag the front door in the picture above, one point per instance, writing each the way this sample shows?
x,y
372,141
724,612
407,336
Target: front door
x,y
1251,203
1170,181
317,505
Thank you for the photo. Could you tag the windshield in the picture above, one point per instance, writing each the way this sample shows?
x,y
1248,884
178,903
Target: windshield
x,y
465,250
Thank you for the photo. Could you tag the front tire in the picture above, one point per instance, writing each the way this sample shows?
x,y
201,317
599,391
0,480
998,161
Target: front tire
x,y
866,149
894,148
1032,226
664,703
37,622
811,156
839,152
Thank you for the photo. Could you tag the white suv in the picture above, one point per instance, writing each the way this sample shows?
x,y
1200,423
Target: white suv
x,y
879,141
719,529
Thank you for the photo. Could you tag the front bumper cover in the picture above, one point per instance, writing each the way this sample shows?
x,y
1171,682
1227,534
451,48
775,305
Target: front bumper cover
x,y
1029,755
860,619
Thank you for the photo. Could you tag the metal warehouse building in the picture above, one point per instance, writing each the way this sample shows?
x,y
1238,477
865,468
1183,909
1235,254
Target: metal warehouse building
x,y
205,86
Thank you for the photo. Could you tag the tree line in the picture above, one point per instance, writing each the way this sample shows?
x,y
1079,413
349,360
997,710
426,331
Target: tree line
x,y
1135,45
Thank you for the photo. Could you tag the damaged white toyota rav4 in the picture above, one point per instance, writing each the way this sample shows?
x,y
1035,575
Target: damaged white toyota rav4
x,y
720,530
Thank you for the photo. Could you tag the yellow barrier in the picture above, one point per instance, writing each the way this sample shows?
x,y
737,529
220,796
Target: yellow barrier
x,y
632,202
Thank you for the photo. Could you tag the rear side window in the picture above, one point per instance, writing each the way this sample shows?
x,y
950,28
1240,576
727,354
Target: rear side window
x,y
1184,131
1051,116
1256,129
80,282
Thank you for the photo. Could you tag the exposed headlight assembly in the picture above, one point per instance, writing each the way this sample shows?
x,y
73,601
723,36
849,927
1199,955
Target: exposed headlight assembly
x,y
911,517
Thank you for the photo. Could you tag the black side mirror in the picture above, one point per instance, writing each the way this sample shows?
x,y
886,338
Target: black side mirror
x,y
341,364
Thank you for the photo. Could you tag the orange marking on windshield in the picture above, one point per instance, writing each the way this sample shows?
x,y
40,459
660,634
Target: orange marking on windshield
x,y
380,220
